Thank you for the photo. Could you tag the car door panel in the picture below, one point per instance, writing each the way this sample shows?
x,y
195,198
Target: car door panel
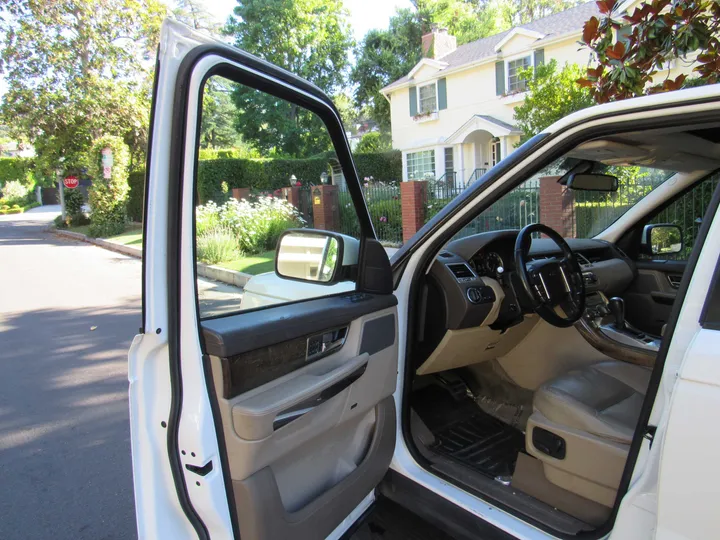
x,y
263,439
650,297
293,479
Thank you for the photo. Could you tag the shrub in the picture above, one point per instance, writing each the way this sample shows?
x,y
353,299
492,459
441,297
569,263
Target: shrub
x,y
217,245
74,202
108,197
255,225
60,223
136,197
14,192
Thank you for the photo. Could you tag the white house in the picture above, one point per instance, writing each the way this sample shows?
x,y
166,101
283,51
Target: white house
x,y
452,115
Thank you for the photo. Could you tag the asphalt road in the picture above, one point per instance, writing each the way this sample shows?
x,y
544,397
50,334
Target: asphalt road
x,y
68,312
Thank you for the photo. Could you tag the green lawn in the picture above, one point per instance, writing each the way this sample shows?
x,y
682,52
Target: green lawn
x,y
253,264
131,237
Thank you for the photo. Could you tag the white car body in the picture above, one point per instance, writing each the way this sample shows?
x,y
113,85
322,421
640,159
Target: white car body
x,y
173,423
269,288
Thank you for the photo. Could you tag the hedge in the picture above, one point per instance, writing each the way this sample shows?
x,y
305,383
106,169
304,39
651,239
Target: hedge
x,y
136,181
16,169
382,166
267,174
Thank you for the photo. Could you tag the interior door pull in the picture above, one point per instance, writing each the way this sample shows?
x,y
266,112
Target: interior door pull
x,y
287,416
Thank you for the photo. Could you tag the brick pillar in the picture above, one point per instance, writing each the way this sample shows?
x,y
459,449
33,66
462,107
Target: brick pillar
x,y
292,195
556,206
240,193
413,196
326,209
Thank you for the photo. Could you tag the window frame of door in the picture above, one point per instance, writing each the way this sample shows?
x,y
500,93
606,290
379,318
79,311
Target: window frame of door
x,y
181,258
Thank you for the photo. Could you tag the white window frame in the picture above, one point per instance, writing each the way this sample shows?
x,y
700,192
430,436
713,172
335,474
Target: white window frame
x,y
419,109
419,151
527,54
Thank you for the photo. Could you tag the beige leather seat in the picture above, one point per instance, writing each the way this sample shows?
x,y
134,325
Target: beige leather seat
x,y
594,411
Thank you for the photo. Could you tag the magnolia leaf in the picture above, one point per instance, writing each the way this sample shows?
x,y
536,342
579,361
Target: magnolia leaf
x,y
590,29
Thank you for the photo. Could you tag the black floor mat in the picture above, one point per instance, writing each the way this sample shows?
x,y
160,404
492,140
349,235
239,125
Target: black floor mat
x,y
465,433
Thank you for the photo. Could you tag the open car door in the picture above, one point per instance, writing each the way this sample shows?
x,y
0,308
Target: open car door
x,y
272,422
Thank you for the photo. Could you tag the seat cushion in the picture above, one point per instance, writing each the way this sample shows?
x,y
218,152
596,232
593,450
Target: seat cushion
x,y
603,399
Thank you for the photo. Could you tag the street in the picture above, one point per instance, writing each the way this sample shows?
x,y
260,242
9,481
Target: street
x,y
68,312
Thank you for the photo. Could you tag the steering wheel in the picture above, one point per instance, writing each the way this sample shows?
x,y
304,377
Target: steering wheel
x,y
555,286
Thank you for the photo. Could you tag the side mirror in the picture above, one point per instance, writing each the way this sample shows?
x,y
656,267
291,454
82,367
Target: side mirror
x,y
592,182
662,239
315,256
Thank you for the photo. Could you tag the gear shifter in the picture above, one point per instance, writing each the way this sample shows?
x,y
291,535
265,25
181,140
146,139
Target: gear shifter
x,y
617,308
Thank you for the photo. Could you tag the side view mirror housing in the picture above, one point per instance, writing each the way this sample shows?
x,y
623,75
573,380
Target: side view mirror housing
x,y
661,239
316,256
592,182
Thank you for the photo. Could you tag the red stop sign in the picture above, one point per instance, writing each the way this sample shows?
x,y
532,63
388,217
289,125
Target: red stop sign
x,y
71,182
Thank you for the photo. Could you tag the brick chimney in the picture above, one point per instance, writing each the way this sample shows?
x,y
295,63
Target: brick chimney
x,y
438,43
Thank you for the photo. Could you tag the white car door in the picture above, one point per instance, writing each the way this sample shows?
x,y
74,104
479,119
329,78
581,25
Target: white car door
x,y
268,423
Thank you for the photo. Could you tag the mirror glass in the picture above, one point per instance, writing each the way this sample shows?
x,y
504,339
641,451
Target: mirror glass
x,y
308,256
593,182
665,239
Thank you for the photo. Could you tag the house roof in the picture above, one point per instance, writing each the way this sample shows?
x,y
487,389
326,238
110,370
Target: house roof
x,y
553,26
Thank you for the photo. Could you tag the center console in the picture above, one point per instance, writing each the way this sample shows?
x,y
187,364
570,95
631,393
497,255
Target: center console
x,y
604,326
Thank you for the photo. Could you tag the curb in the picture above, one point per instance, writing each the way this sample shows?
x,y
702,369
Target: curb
x,y
231,277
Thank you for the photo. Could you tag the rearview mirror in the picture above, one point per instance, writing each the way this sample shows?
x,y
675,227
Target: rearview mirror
x,y
662,239
315,256
592,182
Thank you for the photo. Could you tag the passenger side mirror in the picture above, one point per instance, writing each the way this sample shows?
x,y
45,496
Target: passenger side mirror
x,y
662,239
315,256
592,182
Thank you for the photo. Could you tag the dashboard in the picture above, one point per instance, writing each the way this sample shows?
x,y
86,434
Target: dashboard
x,y
473,281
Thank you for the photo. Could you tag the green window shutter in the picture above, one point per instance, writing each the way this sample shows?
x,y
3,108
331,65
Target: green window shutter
x,y
539,57
499,78
413,101
442,94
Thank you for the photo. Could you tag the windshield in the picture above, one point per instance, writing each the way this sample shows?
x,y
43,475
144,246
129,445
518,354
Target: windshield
x,y
574,214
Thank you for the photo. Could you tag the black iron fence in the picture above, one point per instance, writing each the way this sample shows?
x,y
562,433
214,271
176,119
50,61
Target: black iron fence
x,y
385,207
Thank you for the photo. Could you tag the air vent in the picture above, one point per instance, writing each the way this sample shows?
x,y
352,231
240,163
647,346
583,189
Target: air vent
x,y
461,271
583,259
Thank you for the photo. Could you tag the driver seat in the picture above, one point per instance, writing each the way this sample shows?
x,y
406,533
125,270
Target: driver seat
x,y
582,425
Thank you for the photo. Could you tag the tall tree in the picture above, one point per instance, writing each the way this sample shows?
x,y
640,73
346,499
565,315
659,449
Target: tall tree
x,y
217,129
77,70
383,57
515,12
632,50
310,38
552,94
195,14
467,20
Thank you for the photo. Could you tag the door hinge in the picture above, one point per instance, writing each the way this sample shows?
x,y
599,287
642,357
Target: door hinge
x,y
650,434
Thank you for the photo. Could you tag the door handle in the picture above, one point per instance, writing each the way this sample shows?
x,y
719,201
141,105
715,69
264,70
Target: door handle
x,y
285,417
